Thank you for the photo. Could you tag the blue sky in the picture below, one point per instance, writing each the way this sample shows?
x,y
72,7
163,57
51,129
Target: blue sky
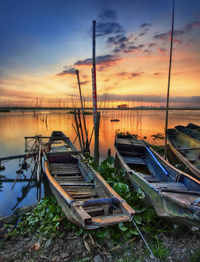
x,y
42,39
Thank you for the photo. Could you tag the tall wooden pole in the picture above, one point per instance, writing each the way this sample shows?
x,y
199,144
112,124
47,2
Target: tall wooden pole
x,y
169,78
94,87
94,92
82,108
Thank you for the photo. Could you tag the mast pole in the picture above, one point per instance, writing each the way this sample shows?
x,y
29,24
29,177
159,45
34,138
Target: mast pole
x,y
169,78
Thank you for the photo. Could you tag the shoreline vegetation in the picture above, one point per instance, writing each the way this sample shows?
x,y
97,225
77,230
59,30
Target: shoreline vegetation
x,y
42,232
9,109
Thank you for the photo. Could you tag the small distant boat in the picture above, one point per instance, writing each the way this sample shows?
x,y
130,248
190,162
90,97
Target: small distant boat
x,y
114,120
174,195
186,149
86,199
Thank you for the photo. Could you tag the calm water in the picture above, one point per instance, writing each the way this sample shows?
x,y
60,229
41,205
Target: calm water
x,y
14,126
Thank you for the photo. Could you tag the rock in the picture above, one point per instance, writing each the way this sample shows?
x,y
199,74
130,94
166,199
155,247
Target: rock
x,y
9,219
97,258
23,210
48,243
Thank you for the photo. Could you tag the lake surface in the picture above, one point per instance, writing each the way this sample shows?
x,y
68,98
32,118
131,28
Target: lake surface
x,y
14,126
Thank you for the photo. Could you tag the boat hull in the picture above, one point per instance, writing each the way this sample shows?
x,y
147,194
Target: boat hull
x,y
178,144
174,206
86,199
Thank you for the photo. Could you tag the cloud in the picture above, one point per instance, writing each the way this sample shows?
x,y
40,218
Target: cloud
x,y
129,75
107,14
145,25
104,61
151,45
153,99
137,74
162,50
133,48
190,26
69,71
118,39
106,28
84,83
167,36
141,34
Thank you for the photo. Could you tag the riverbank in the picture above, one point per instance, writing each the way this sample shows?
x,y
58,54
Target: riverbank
x,y
177,245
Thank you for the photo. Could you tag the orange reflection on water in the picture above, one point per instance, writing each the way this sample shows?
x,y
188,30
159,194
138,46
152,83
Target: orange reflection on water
x,y
144,123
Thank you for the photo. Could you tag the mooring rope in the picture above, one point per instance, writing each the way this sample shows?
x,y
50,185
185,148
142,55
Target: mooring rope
x,y
148,247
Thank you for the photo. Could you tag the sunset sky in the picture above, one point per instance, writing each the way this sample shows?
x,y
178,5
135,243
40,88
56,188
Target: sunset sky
x,y
42,42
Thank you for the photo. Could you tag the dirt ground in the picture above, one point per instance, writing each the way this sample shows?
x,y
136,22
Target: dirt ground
x,y
183,245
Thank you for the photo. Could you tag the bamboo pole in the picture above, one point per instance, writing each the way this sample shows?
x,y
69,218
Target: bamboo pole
x,y
95,114
77,129
26,157
81,130
169,78
82,108
94,72
96,136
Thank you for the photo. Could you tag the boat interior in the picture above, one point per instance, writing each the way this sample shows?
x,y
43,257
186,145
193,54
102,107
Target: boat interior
x,y
141,159
80,183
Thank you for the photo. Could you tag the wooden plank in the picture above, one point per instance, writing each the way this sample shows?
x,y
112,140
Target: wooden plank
x,y
181,191
69,178
189,148
76,183
65,172
79,195
112,219
94,211
134,160
63,165
66,153
169,185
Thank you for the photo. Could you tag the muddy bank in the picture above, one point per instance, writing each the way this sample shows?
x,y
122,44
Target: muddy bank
x,y
179,245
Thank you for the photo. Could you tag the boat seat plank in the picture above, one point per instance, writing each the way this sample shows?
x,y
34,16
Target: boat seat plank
x,y
151,179
69,178
134,160
112,219
76,183
94,211
63,165
65,172
169,185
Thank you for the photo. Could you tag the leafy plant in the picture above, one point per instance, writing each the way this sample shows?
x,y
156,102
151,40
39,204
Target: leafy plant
x,y
195,257
159,250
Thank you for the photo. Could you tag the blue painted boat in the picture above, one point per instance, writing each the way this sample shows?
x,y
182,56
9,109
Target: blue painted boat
x,y
174,195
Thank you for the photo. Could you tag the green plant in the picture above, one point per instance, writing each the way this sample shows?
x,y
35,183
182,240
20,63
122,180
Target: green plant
x,y
159,250
195,257
45,219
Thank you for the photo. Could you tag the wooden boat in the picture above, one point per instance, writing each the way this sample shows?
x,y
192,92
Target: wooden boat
x,y
186,150
190,130
114,120
174,195
85,197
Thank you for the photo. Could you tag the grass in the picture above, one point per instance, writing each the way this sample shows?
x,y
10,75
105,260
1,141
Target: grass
x,y
195,257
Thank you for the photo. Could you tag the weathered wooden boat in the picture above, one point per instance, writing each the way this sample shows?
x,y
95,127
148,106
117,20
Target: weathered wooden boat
x,y
186,150
174,195
85,197
190,130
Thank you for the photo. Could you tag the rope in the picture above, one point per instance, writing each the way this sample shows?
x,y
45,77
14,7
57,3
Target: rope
x,y
148,247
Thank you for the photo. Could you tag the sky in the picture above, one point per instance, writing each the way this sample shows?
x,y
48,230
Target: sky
x,y
43,42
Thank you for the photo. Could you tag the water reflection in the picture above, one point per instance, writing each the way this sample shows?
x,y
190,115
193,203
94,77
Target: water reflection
x,y
17,125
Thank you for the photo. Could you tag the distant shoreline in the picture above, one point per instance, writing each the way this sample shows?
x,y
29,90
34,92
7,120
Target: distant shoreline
x,y
9,109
